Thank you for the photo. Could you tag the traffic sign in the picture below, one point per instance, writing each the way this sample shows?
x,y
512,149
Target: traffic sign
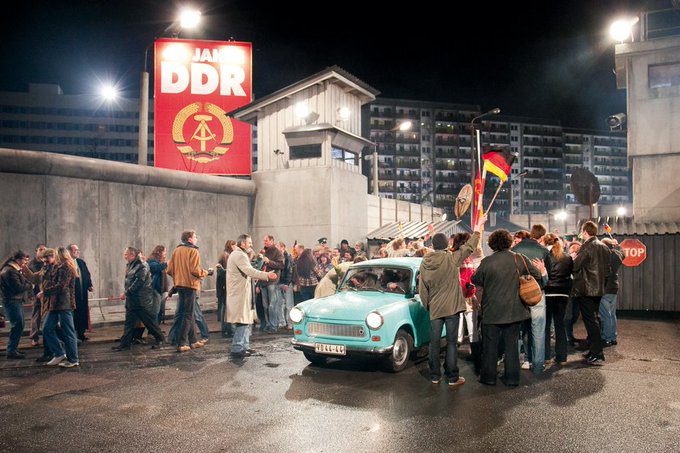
x,y
634,252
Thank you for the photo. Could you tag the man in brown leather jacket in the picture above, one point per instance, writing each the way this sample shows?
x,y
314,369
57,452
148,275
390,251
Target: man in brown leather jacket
x,y
591,267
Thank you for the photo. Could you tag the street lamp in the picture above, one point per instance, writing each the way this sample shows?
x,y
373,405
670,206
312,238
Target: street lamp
x,y
494,111
403,126
622,29
108,92
621,211
188,19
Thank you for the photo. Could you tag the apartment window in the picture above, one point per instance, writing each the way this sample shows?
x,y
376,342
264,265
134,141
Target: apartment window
x,y
664,75
344,155
305,151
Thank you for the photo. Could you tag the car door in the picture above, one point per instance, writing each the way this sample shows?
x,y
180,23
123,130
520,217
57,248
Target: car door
x,y
420,316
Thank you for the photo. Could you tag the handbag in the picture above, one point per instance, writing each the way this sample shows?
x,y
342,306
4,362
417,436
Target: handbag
x,y
529,289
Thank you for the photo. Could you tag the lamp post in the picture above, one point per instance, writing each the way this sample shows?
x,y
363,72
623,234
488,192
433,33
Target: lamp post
x,y
475,134
188,19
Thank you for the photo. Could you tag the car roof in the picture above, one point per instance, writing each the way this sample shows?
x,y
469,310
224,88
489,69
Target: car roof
x,y
411,263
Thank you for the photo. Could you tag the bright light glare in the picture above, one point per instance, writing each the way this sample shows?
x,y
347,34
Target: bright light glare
x,y
344,113
561,215
176,52
109,92
301,110
621,211
189,18
622,29
405,126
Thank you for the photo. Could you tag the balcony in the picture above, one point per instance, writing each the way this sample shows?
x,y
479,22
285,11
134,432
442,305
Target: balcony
x,y
407,164
408,152
414,189
407,177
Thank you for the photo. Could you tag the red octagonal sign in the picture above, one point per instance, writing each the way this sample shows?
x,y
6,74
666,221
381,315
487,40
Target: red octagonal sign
x,y
634,252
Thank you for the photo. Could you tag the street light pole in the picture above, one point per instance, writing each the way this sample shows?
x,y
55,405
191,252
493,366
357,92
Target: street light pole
x,y
187,19
142,146
473,207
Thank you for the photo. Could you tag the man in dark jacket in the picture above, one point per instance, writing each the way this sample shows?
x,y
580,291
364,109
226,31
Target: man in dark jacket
x,y
442,295
591,268
81,315
272,299
611,288
286,284
502,309
36,266
13,286
138,301
534,330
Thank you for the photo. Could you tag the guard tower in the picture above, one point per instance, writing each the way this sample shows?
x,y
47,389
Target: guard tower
x,y
309,157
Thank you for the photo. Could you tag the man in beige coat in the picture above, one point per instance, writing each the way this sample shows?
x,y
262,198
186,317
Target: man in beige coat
x,y
240,294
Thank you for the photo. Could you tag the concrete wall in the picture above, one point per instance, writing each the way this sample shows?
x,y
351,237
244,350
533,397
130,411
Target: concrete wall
x,y
106,206
653,132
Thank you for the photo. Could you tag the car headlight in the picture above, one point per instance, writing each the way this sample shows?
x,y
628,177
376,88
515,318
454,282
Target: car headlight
x,y
296,315
374,320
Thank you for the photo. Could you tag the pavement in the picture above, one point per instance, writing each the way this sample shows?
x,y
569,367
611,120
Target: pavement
x,y
145,400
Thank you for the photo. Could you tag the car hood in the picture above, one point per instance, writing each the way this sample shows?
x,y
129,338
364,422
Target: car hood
x,y
349,305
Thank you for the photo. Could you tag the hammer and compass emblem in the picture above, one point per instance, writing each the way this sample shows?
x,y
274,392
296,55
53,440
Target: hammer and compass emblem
x,y
203,114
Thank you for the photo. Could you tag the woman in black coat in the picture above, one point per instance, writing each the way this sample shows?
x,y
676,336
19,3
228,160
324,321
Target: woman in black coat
x,y
502,309
560,266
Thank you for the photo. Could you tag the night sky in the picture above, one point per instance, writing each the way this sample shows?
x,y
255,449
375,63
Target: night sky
x,y
540,59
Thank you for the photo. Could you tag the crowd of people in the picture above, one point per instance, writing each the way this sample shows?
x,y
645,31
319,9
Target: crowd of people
x,y
461,289
574,277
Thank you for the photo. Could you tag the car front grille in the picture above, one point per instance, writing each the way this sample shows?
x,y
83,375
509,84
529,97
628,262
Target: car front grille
x,y
336,330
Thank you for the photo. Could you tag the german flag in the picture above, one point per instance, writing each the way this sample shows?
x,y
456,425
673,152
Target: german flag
x,y
499,162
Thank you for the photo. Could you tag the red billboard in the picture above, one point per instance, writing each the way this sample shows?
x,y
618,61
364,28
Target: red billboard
x,y
195,84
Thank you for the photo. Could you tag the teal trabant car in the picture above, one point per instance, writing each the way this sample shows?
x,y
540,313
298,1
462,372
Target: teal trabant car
x,y
376,311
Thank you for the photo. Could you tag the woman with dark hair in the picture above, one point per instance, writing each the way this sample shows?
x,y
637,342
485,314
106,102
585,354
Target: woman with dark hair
x,y
502,309
325,263
560,266
307,274
14,286
59,299
157,262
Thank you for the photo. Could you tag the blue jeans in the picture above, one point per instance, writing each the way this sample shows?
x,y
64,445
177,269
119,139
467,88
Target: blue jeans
x,y
451,361
173,335
608,317
272,303
241,341
534,337
15,315
200,321
65,320
289,299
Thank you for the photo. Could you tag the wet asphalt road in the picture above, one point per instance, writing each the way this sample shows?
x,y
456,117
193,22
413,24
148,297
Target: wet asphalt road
x,y
201,401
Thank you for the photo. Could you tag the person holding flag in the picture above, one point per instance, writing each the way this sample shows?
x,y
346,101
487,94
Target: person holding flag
x,y
499,163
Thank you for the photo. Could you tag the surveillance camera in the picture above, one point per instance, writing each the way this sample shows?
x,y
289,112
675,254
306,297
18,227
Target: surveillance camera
x,y
616,120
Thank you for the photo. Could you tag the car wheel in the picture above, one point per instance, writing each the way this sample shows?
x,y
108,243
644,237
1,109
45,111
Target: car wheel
x,y
316,359
401,352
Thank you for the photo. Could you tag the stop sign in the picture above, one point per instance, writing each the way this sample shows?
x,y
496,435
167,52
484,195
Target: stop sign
x,y
634,252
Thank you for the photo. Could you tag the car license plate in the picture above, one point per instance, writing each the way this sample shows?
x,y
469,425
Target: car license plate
x,y
331,349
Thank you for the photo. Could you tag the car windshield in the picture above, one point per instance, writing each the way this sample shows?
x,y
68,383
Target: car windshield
x,y
381,279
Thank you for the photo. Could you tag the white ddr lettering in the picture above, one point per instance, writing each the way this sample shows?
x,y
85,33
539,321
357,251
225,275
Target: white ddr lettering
x,y
174,77
203,78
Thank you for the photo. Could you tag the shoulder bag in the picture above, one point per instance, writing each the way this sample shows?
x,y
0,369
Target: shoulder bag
x,y
529,289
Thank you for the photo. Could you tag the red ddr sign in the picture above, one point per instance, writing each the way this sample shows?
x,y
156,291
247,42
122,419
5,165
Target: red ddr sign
x,y
196,83
634,252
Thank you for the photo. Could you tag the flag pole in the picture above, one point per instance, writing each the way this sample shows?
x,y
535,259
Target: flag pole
x,y
494,197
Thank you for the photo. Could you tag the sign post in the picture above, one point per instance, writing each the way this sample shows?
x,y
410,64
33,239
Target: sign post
x,y
634,252
195,84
